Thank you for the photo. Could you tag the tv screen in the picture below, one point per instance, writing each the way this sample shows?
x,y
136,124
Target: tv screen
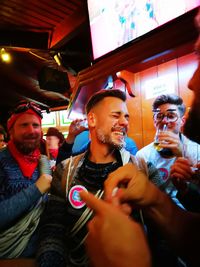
x,y
113,23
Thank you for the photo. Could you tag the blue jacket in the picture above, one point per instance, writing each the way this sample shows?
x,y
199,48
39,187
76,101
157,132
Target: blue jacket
x,y
17,193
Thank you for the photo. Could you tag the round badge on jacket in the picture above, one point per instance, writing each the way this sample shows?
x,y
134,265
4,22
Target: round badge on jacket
x,y
74,197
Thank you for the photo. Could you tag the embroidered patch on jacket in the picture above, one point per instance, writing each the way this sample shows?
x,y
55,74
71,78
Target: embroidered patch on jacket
x,y
74,197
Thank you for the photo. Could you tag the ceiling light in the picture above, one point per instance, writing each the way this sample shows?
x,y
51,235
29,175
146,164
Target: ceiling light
x,y
5,56
57,58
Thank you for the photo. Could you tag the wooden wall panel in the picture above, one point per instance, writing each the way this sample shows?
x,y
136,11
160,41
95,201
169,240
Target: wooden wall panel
x,y
147,122
135,111
170,69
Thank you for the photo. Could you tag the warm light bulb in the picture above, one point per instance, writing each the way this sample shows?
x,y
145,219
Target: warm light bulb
x,y
5,57
118,74
57,59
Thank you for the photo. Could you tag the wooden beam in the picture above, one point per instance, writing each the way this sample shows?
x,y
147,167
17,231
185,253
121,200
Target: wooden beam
x,y
67,29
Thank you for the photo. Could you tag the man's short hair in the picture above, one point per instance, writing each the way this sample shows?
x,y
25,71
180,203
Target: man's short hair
x,y
170,99
100,95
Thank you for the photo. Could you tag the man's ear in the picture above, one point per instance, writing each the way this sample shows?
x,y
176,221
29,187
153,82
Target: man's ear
x,y
183,119
91,119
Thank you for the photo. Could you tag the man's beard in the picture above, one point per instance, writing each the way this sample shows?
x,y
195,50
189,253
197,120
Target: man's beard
x,y
107,139
27,148
192,125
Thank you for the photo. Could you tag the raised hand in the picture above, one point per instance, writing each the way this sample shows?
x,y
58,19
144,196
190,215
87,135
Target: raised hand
x,y
168,139
44,183
134,186
114,239
76,127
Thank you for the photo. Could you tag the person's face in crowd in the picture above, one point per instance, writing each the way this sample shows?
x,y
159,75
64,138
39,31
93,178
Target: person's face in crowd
x,y
26,133
52,142
2,141
192,125
111,122
173,126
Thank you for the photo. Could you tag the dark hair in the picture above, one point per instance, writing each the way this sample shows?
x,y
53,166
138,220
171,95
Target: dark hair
x,y
52,131
100,95
170,99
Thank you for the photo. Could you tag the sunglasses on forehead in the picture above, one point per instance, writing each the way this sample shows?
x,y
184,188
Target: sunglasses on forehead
x,y
24,106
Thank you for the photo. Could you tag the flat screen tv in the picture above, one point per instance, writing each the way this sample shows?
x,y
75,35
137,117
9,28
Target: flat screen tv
x,y
114,23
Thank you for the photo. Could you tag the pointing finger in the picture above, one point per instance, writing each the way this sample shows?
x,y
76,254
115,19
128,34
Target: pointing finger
x,y
94,203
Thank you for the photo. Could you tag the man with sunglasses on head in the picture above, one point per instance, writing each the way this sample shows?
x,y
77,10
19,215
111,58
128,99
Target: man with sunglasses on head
x,y
169,142
24,180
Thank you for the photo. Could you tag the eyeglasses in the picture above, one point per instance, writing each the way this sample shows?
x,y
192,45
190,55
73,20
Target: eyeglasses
x,y
24,106
169,115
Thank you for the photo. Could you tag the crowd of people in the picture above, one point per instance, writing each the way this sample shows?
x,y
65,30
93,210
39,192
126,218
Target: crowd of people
x,y
100,203
179,227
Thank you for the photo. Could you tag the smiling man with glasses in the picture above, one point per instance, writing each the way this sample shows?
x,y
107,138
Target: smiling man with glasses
x,y
169,142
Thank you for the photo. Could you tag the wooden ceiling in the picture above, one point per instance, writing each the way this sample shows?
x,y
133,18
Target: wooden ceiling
x,y
34,31
59,18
